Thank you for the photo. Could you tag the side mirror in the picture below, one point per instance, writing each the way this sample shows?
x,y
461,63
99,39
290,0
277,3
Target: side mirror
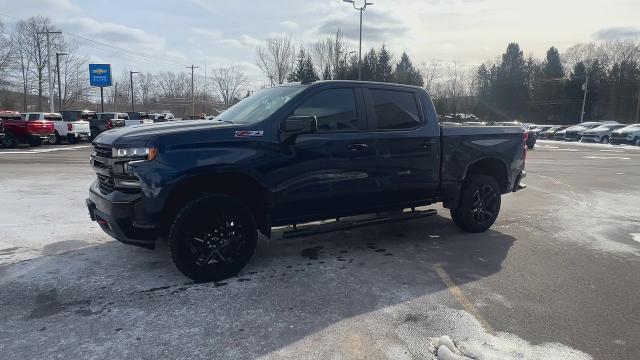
x,y
298,125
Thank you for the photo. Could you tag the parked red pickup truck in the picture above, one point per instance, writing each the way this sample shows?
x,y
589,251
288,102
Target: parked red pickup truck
x,y
18,130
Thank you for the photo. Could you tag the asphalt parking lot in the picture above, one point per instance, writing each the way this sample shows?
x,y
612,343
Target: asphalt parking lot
x,y
556,277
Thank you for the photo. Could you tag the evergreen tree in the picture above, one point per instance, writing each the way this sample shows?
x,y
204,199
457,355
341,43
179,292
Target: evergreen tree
x,y
405,73
304,71
384,68
326,75
370,65
552,66
512,93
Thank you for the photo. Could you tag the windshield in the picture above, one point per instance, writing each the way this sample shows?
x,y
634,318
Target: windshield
x,y
260,105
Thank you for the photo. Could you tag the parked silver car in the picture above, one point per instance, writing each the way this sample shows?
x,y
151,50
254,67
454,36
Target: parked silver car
x,y
600,134
574,133
626,135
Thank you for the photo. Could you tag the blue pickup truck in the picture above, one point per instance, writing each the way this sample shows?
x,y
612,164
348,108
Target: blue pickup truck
x,y
294,154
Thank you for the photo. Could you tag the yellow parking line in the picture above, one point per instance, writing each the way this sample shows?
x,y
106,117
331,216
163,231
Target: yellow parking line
x,y
462,298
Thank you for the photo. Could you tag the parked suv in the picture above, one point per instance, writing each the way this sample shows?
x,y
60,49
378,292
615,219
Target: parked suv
x,y
600,134
574,133
626,135
30,128
80,117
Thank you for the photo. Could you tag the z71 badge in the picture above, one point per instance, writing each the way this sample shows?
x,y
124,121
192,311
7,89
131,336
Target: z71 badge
x,y
249,133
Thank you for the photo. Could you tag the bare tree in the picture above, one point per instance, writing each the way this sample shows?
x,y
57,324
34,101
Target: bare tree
x,y
276,58
145,87
31,46
229,83
328,53
431,72
74,79
6,47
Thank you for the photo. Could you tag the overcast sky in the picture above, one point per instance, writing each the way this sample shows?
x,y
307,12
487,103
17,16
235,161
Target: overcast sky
x,y
222,33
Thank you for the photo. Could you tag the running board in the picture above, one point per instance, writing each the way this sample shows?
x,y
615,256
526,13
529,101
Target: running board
x,y
345,224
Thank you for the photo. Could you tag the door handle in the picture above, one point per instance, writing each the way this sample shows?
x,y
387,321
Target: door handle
x,y
358,147
427,145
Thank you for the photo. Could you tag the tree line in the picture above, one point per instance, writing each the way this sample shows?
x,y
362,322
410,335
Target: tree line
x,y
552,90
281,60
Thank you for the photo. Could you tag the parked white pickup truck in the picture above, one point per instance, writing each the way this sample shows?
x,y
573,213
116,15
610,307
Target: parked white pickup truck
x,y
73,130
122,119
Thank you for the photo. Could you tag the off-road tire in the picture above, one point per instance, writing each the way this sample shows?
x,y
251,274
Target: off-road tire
x,y
471,216
206,224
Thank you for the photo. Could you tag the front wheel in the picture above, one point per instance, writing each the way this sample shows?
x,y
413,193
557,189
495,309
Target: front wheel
x,y
604,140
212,238
479,204
636,141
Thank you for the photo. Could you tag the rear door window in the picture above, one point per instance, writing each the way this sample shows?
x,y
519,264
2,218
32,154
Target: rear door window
x,y
395,109
334,108
123,116
53,117
33,117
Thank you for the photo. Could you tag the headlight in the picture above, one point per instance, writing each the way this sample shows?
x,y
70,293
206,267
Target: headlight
x,y
137,153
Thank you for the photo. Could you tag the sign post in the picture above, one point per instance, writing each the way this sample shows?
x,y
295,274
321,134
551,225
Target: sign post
x,y
100,76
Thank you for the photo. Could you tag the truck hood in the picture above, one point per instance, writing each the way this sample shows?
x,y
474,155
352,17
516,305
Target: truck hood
x,y
138,135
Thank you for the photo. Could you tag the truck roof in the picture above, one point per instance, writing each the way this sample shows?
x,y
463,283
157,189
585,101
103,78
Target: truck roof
x,y
354,82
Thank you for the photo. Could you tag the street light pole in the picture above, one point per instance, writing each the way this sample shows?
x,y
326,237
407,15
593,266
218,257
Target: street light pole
x,y
361,9
59,83
133,108
193,100
584,100
345,62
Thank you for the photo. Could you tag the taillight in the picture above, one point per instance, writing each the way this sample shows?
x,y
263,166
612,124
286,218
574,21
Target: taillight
x,y
69,127
109,124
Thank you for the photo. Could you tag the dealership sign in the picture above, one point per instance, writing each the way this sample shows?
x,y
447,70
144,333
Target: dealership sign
x,y
100,75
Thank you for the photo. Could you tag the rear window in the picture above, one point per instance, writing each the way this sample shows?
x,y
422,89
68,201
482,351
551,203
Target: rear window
x,y
123,116
89,116
395,109
106,116
33,117
53,117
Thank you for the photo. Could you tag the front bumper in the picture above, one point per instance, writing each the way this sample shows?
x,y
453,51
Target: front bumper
x,y
590,138
626,141
121,216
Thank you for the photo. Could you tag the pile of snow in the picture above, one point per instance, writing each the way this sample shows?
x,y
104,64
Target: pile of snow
x,y
500,347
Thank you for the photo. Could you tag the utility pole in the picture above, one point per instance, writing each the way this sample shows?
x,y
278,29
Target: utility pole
x,y
361,9
47,32
638,107
115,98
193,100
204,93
59,83
584,100
345,63
133,108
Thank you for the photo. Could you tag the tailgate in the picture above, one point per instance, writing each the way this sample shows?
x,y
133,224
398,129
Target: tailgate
x,y
80,126
40,127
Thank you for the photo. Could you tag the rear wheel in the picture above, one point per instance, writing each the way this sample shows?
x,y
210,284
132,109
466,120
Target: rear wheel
x,y
604,140
9,140
72,139
479,204
212,238
55,138
636,141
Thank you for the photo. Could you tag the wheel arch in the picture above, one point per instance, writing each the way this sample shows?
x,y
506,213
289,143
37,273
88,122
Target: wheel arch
x,y
237,184
492,167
